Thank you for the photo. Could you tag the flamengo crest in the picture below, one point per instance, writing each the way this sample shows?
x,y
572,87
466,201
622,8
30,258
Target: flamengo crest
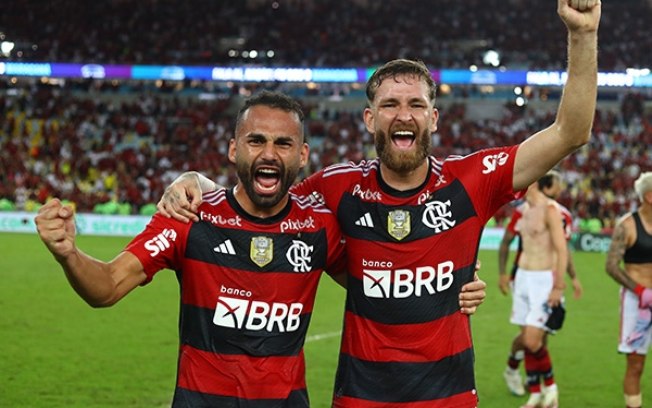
x,y
438,216
261,251
398,224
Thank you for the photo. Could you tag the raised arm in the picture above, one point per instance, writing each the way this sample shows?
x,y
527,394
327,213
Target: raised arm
x,y
99,283
182,198
572,126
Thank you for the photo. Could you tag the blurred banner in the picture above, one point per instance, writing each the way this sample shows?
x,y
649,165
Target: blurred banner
x,y
87,224
630,78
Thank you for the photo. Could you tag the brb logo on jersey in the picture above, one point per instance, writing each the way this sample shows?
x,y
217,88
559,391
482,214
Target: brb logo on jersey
x,y
257,315
161,242
437,216
299,255
492,162
402,283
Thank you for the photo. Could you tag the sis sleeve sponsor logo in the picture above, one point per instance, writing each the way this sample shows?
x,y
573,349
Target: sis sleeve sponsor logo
x,y
492,161
161,242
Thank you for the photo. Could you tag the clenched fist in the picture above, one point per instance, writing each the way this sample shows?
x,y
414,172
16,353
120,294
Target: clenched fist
x,y
581,5
55,224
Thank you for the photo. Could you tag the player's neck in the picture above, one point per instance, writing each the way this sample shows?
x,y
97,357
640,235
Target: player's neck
x,y
403,181
255,210
536,197
645,212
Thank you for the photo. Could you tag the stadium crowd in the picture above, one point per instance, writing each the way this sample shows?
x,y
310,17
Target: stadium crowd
x,y
93,150
97,143
443,33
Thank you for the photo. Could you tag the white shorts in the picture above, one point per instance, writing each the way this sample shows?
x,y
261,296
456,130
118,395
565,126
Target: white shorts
x,y
628,316
530,298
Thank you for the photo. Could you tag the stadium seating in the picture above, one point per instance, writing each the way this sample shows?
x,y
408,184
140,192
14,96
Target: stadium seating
x,y
444,33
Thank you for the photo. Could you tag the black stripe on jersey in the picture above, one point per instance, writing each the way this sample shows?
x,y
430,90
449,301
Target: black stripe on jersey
x,y
405,382
198,330
184,398
413,309
203,238
445,209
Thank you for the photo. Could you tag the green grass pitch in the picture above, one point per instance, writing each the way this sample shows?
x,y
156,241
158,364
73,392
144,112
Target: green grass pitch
x,y
59,352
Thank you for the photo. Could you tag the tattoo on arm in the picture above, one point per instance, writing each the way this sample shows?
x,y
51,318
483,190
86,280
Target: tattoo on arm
x,y
615,256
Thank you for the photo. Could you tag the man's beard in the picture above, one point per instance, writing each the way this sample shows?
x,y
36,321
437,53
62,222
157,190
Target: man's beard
x,y
402,161
287,177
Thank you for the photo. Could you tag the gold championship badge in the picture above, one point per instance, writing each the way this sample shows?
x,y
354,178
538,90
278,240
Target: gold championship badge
x,y
261,251
398,224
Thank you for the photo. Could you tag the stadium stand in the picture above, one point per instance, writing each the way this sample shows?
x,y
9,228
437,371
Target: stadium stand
x,y
112,146
444,33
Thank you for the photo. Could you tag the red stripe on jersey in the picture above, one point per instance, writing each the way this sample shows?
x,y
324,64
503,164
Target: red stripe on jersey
x,y
240,376
203,291
464,400
422,342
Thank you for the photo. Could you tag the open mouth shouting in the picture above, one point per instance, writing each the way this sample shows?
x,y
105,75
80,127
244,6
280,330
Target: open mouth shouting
x,y
403,139
267,180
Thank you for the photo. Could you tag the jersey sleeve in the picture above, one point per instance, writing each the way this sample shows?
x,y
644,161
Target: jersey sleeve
x,y
336,257
488,177
160,245
310,186
321,189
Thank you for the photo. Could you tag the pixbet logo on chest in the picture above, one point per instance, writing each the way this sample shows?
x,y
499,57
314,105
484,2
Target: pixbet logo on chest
x,y
297,225
217,219
403,283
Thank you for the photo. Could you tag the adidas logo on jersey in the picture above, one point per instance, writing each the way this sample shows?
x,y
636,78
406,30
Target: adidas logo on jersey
x,y
225,247
365,221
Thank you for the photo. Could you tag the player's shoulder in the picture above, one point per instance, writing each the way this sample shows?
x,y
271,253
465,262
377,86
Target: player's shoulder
x,y
626,220
480,162
562,209
213,198
312,203
553,207
351,169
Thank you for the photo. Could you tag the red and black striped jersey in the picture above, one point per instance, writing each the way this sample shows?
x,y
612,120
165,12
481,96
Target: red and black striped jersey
x,y
405,342
248,287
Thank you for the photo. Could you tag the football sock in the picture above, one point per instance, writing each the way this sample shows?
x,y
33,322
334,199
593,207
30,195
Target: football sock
x,y
515,359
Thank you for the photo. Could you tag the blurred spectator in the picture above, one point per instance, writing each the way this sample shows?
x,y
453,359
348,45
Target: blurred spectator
x,y
444,33
116,153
